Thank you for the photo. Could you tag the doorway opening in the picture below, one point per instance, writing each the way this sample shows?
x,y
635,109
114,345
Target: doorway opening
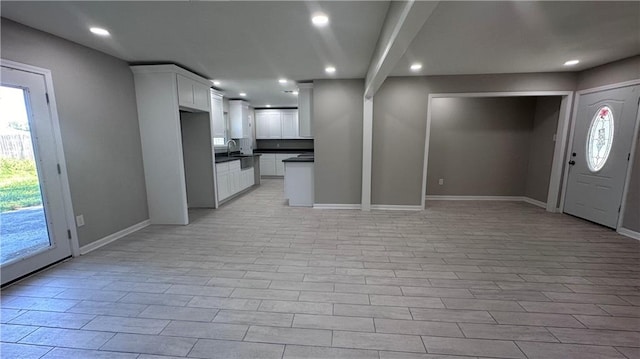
x,y
554,134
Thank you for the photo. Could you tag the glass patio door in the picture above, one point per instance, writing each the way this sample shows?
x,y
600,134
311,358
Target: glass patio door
x,y
33,224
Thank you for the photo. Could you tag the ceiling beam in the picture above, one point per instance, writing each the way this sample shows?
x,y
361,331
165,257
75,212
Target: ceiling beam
x,y
404,20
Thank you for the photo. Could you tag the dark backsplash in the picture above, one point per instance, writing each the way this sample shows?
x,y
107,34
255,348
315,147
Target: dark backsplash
x,y
305,144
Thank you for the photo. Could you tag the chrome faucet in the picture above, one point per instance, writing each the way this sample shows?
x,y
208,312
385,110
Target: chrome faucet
x,y
229,147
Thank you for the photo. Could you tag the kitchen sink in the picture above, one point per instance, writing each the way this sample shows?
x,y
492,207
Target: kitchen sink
x,y
245,161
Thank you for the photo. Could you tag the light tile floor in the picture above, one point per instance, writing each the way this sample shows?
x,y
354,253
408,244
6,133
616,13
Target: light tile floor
x,y
257,279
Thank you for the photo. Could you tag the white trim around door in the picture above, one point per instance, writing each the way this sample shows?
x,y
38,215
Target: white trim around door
x,y
66,190
559,148
65,211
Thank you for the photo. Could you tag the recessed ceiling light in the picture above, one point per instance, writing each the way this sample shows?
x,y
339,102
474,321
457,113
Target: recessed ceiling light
x,y
416,66
295,93
268,106
242,94
283,81
216,82
571,62
99,31
320,20
330,70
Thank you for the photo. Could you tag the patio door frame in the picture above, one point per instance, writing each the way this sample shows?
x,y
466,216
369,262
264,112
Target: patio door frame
x,y
63,174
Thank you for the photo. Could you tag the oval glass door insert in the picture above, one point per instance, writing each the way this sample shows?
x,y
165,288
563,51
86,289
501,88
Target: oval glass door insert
x,y
600,139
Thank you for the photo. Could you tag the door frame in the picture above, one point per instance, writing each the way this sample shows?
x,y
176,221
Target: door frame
x,y
562,129
57,134
634,143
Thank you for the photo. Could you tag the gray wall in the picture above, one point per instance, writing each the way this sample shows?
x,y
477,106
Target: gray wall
x,y
399,123
337,129
620,71
399,117
615,72
99,123
480,146
544,126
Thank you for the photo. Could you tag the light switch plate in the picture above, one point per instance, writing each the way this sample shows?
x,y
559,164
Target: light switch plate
x,y
441,181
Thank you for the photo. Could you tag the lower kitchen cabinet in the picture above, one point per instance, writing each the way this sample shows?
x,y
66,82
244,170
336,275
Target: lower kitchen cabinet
x,y
268,164
231,179
271,163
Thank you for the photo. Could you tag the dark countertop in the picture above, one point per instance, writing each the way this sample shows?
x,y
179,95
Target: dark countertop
x,y
221,159
233,157
277,150
299,159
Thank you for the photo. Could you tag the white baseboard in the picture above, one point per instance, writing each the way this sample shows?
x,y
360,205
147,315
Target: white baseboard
x,y
473,198
336,206
535,202
392,207
629,233
113,237
487,198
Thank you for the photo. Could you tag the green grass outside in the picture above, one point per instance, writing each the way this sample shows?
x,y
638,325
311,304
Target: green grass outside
x,y
19,186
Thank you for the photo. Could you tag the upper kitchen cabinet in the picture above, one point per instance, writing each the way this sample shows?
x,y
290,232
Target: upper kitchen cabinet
x,y
192,95
268,124
240,119
289,124
217,119
305,109
277,124
175,132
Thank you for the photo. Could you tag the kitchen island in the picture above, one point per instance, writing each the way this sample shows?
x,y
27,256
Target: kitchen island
x,y
299,180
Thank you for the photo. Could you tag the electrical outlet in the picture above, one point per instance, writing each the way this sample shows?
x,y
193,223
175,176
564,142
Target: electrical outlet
x,y
80,220
441,181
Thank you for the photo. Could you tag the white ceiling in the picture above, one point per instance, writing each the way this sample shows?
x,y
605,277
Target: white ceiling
x,y
246,45
249,45
465,37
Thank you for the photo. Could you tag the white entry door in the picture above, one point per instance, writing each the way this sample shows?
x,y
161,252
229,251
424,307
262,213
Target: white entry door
x,y
604,132
34,230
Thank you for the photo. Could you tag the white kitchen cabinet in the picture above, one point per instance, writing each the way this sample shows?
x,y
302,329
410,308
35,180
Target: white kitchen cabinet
x,y
234,170
232,179
222,177
271,163
176,149
262,124
268,164
277,124
192,94
289,120
240,119
246,178
268,124
305,110
280,164
217,115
